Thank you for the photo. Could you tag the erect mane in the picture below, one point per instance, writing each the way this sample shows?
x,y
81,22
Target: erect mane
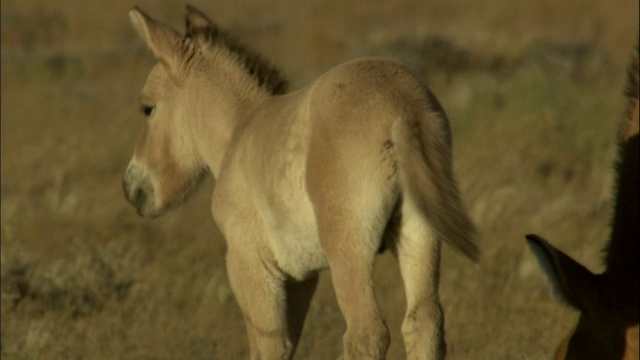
x,y
267,75
631,90
623,246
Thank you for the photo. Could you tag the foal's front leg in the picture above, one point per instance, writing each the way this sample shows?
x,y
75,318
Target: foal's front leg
x,y
261,294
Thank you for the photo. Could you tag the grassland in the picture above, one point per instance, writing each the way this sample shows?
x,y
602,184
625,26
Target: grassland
x,y
534,93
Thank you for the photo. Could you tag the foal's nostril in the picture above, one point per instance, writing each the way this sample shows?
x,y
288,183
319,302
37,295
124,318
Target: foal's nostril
x,y
139,197
133,196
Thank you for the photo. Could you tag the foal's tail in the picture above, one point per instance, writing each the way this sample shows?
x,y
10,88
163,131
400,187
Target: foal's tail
x,y
423,153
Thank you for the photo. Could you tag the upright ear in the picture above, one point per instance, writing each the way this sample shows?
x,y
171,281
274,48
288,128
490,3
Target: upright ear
x,y
198,25
162,40
570,280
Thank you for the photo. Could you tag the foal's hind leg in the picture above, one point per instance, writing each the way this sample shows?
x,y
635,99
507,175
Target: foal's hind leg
x,y
351,247
418,252
351,261
353,193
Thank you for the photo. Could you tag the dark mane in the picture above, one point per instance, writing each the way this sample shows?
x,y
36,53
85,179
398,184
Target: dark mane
x,y
621,253
631,90
267,75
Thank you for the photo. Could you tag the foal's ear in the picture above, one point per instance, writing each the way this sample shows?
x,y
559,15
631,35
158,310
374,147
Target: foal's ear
x,y
160,39
198,25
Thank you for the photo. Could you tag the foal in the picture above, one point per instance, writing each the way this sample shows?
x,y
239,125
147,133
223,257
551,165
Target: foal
x,y
323,177
608,302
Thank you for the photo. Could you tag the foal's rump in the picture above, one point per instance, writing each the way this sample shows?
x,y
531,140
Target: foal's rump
x,y
379,136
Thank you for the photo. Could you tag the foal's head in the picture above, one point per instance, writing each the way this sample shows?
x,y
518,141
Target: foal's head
x,y
166,164
191,103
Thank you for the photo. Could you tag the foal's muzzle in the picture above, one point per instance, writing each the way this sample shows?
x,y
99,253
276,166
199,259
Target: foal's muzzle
x,y
136,193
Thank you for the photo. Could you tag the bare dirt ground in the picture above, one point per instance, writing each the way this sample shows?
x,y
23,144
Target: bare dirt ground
x,y
533,90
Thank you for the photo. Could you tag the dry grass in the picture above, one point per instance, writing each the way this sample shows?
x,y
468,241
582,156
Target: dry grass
x,y
534,92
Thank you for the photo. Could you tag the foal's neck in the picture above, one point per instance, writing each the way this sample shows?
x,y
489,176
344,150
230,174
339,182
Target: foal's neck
x,y
230,95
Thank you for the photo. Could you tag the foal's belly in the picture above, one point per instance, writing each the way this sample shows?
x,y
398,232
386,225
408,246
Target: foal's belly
x,y
293,237
300,257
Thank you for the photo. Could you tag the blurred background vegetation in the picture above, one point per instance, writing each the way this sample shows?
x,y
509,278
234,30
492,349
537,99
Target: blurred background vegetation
x,y
534,91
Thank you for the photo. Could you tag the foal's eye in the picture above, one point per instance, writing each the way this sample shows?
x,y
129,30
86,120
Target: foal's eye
x,y
147,110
